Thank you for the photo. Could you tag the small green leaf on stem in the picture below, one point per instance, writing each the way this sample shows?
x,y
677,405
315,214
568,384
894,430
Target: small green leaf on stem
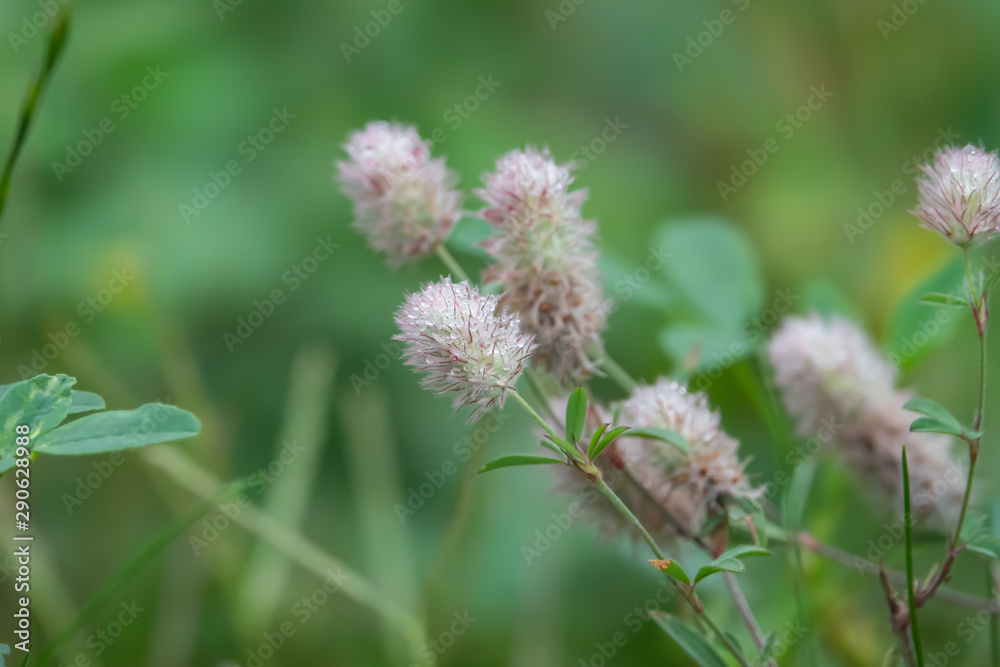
x,y
942,299
576,414
608,438
730,561
911,598
671,568
663,435
517,460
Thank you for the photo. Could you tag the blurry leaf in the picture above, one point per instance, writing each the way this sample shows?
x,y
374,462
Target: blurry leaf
x,y
516,460
596,439
638,285
925,406
548,444
917,329
4,650
41,402
929,425
576,414
793,503
6,463
672,569
689,639
608,438
468,235
85,401
715,270
730,561
663,435
120,429
986,545
940,299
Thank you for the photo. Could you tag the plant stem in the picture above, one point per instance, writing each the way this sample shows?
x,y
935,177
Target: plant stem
x,y
911,595
721,634
134,564
531,411
744,608
631,518
618,374
451,263
30,106
191,476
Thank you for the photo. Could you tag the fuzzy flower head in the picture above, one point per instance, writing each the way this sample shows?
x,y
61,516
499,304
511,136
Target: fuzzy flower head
x,y
544,258
839,390
826,368
463,344
960,195
694,485
404,202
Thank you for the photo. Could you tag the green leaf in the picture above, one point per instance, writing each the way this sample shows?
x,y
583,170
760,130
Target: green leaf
x,y
714,271
41,402
119,429
917,329
942,299
986,545
672,569
824,297
85,401
793,503
608,438
690,640
547,444
730,561
576,414
935,411
595,439
517,460
663,435
929,425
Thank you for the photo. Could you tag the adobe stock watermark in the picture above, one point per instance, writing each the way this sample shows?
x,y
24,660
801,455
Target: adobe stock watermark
x,y
437,647
898,17
562,12
459,112
697,44
635,620
87,311
753,330
373,368
303,611
211,528
417,496
586,154
38,21
294,277
786,127
364,34
121,108
248,149
967,630
884,199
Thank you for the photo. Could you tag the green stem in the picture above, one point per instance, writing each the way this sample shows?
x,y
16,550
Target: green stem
x,y
911,596
618,374
724,637
143,556
631,518
30,106
191,476
531,411
451,263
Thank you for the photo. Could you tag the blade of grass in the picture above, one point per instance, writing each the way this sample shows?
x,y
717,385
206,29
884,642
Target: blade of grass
x,y
134,564
56,42
287,498
910,597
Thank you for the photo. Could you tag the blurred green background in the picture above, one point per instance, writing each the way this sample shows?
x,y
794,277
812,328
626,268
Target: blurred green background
x,y
559,73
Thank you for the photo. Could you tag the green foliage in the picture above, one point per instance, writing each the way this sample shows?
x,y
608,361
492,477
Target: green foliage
x,y
694,643
517,460
937,420
917,328
45,401
908,533
599,445
714,269
731,561
666,435
576,414
793,503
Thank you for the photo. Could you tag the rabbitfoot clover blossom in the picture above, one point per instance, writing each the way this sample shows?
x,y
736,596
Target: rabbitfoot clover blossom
x,y
695,485
405,203
960,195
545,260
833,381
463,343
